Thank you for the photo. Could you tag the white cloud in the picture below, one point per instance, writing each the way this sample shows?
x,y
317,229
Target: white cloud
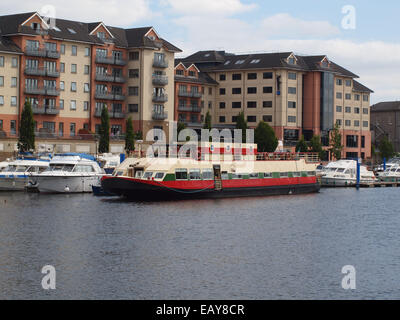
x,y
122,13
284,24
208,7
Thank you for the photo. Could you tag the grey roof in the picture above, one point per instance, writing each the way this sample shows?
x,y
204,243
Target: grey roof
x,y
386,106
360,87
203,78
6,45
126,38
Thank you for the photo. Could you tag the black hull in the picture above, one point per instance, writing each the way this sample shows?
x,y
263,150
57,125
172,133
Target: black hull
x,y
144,192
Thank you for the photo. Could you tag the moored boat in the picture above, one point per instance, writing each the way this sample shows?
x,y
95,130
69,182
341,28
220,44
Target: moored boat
x,y
244,174
391,174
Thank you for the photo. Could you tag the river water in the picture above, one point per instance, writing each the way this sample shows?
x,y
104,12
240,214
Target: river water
x,y
288,247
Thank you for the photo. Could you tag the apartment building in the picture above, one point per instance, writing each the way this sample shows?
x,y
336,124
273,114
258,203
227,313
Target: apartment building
x,y
295,94
194,95
70,70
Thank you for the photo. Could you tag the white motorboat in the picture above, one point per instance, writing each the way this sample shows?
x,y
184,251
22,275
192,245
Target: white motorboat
x,y
391,174
344,173
15,176
109,162
68,173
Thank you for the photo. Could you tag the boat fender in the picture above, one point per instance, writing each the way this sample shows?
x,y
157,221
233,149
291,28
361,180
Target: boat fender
x,y
66,189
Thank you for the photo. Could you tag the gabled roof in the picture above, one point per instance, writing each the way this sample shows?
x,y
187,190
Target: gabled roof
x,y
386,106
6,45
360,87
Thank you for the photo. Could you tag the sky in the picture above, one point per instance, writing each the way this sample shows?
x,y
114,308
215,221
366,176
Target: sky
x,y
360,35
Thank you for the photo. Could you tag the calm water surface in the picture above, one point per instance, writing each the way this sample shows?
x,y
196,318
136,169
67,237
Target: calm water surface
x,y
290,247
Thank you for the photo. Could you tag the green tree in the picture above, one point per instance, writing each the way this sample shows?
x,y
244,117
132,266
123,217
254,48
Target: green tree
x,y
336,146
386,148
104,143
180,126
207,121
264,137
130,136
301,146
26,140
316,146
241,124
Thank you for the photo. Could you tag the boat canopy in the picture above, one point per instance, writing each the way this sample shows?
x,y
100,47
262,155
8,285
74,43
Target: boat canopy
x,y
81,155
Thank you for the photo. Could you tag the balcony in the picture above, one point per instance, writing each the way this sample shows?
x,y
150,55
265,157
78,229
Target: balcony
x,y
35,52
110,60
160,63
54,73
37,110
52,91
159,80
109,78
35,71
190,94
160,115
117,114
102,95
189,108
160,98
97,113
49,110
35,90
53,54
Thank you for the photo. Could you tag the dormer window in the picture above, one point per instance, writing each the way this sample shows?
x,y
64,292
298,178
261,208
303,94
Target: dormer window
x,y
192,74
179,72
152,38
207,55
72,31
291,60
227,62
325,63
101,35
255,61
239,62
35,26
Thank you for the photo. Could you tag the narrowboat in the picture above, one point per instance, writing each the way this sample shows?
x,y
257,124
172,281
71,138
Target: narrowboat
x,y
217,172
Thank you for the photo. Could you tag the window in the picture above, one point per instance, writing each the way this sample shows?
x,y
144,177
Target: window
x,y
338,108
365,111
62,67
252,90
365,97
209,104
86,69
73,68
292,119
268,75
251,104
357,110
133,91
222,119
234,119
348,83
356,123
134,73
86,87
236,90
348,96
222,105
222,77
133,107
180,73
73,86
181,174
365,124
61,104
134,55
357,97
73,105
13,101
338,95
14,62
62,86
251,118
13,126
1,61
267,118
339,82
236,105
74,50
292,105
292,90
255,61
222,91
267,104
348,109
1,100
267,90
87,52
62,49
292,75
72,128
347,123
1,81
339,122
292,60
237,76
210,91
352,141
251,76
13,82
362,141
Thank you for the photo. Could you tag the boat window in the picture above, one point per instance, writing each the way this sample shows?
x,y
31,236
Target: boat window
x,y
398,170
181,174
225,175
32,169
235,176
267,175
296,174
320,167
82,168
393,170
253,176
311,173
347,171
20,169
10,169
139,174
340,170
118,173
159,175
284,174
332,169
147,175
207,174
194,174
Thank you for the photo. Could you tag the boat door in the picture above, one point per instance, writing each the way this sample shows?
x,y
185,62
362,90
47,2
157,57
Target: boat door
x,y
217,178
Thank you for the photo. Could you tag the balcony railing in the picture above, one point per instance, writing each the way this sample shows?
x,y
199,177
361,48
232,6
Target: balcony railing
x,y
110,60
117,114
160,63
53,54
42,52
190,94
52,91
35,71
109,78
160,97
160,115
45,109
35,90
109,96
54,73
189,108
159,80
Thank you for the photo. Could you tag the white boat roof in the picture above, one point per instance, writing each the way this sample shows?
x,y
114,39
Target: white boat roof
x,y
32,163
